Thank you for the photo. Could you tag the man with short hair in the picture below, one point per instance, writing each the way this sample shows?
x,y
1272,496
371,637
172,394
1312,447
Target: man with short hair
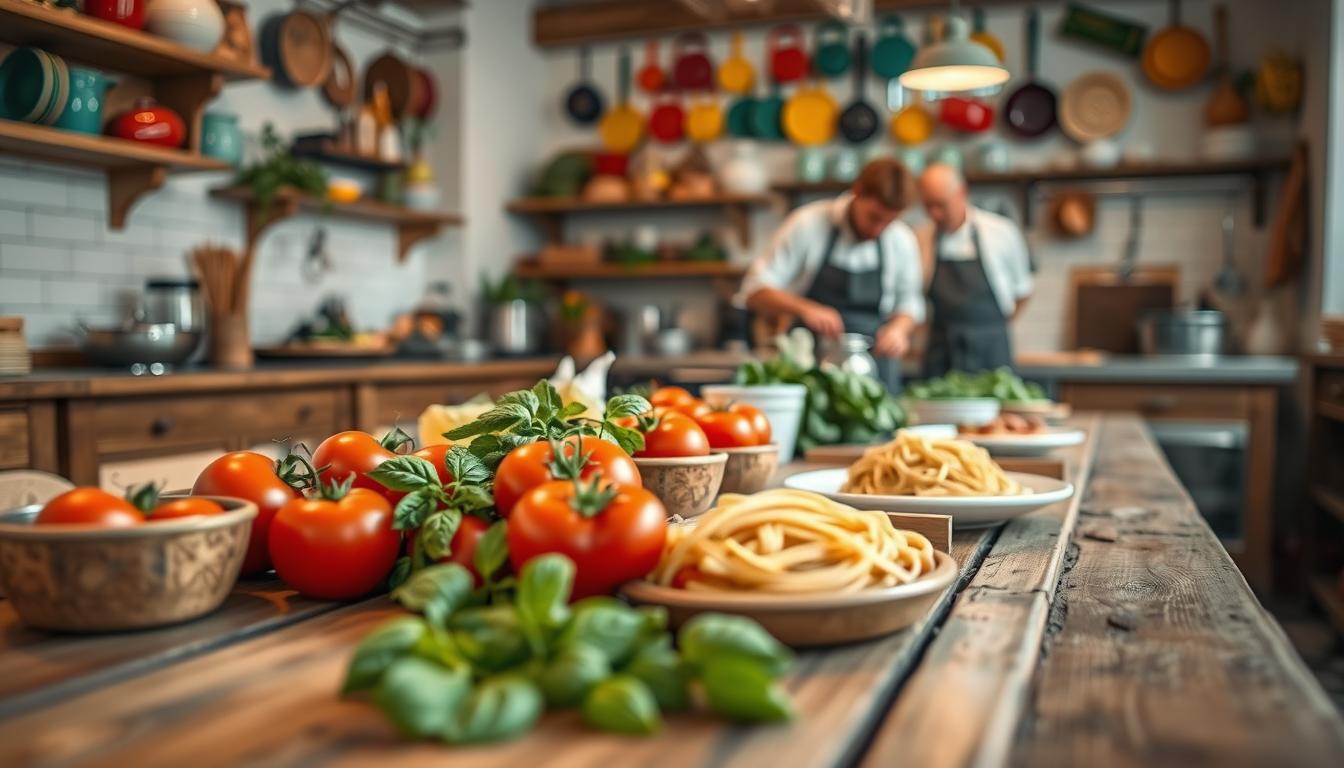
x,y
848,265
979,277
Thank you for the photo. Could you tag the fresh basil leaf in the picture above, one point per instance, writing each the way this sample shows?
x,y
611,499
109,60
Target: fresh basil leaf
x,y
465,467
472,498
420,697
376,652
568,677
499,708
630,440
489,637
494,420
492,550
544,587
571,410
438,591
744,689
622,704
400,573
436,534
526,401
627,405
549,402
714,635
405,473
660,668
606,624
412,509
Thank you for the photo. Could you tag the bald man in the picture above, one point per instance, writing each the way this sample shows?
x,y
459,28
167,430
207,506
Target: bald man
x,y
978,277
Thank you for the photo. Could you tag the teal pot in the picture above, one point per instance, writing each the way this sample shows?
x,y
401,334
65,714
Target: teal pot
x,y
221,138
84,107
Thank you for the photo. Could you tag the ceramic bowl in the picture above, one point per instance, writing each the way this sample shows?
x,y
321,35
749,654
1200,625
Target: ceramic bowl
x,y
83,578
26,84
748,469
687,485
963,411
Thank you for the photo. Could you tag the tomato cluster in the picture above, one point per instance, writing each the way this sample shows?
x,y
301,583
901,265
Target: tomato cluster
x,y
738,425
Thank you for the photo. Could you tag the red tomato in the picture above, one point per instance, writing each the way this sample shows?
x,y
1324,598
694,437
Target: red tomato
x,y
89,506
621,541
674,435
190,507
671,397
726,429
759,423
335,550
528,466
435,454
463,547
249,476
353,453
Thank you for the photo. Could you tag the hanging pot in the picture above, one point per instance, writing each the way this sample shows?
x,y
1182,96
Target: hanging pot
x,y
296,46
623,126
397,78
739,121
788,60
736,75
858,122
692,70
767,115
830,49
704,119
583,103
1177,57
893,51
651,77
667,121
966,115
1030,110
912,125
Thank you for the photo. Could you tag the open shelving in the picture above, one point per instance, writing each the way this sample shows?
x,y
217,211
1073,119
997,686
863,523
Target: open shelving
x,y
531,270
550,212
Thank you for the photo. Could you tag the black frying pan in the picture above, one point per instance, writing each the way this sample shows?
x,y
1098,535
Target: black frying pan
x,y
1030,110
858,122
583,103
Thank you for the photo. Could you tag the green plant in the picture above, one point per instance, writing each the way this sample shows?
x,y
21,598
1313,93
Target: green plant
x,y
510,288
278,168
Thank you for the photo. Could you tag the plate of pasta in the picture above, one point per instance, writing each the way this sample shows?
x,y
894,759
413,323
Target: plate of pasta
x,y
811,570
953,477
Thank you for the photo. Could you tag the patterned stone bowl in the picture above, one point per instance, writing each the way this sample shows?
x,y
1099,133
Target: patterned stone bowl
x,y
83,578
686,485
748,469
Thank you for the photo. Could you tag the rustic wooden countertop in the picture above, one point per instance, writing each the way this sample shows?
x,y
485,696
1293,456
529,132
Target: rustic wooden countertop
x,y
1110,629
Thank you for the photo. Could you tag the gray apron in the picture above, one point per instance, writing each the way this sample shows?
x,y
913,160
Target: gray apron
x,y
857,296
968,331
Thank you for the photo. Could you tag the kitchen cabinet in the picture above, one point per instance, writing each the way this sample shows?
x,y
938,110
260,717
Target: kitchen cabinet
x,y
1324,524
1213,435
27,436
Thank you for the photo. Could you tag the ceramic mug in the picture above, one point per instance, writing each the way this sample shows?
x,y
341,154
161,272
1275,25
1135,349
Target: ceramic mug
x,y
845,166
221,138
84,106
993,157
811,165
913,159
948,154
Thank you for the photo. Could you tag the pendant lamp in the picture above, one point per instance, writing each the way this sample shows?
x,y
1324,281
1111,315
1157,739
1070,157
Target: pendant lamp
x,y
954,64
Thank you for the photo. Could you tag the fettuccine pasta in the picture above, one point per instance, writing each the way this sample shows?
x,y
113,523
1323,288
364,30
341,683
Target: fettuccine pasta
x,y
789,541
912,465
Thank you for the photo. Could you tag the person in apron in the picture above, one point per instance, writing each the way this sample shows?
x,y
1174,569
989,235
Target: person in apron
x,y
847,265
980,277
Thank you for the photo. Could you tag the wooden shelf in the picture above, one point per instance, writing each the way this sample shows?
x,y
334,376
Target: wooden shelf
x,y
1327,594
327,152
412,225
133,168
1256,169
550,211
615,271
106,45
1331,501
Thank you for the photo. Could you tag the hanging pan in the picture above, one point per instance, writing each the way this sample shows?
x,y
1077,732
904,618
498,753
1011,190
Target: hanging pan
x,y
651,77
667,121
736,75
583,103
691,68
893,51
810,115
830,49
1177,57
623,126
858,122
1030,109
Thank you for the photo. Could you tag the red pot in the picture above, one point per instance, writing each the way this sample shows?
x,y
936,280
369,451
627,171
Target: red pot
x,y
692,70
667,121
149,122
129,13
966,114
788,60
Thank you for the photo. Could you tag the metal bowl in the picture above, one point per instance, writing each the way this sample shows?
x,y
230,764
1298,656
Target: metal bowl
x,y
83,578
1192,333
143,345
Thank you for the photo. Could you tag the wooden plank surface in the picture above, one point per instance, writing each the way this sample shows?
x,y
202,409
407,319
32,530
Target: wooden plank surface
x,y
1159,654
963,703
272,700
38,668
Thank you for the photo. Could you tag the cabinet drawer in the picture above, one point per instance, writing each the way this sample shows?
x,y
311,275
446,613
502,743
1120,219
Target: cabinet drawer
x,y
14,431
1159,401
1330,388
148,424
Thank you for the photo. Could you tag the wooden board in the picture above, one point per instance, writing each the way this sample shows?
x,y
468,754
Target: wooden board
x,y
1164,656
38,668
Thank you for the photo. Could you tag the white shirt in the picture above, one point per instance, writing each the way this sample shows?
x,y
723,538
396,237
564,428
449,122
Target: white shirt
x,y
798,251
1003,253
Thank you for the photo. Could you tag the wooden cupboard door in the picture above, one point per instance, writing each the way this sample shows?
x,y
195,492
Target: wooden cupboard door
x,y
1164,401
14,438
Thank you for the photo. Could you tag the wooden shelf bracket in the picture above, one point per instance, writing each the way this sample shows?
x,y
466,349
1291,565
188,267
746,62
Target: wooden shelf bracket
x,y
126,185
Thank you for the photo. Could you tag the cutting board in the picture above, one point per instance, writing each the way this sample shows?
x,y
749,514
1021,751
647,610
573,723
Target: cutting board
x,y
1105,310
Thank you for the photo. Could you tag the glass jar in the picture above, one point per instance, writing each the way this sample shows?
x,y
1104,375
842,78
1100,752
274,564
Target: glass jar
x,y
850,352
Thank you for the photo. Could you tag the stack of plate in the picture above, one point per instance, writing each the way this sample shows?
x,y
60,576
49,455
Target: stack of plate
x,y
34,86
14,358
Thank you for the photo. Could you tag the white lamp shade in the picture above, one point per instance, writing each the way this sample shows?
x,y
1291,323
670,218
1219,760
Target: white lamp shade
x,y
954,65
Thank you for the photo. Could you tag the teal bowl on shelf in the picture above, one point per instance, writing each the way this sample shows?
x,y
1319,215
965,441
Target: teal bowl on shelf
x,y
84,106
221,138
26,83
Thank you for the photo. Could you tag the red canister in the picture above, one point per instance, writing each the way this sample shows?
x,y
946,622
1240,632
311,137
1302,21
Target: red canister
x,y
129,13
149,122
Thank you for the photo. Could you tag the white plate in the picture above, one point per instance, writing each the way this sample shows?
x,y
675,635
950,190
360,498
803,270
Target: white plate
x,y
966,511
1036,444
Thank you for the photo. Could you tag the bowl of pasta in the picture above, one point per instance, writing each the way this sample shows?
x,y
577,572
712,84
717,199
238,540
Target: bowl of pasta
x,y
749,468
812,571
686,485
916,474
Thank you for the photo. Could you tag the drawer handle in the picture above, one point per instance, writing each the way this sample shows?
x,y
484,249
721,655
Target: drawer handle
x,y
1159,403
305,412
161,425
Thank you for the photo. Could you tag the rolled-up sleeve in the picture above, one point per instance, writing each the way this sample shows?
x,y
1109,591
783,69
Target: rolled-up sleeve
x,y
781,264
903,284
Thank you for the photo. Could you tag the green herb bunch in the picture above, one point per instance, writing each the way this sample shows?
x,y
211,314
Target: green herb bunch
x,y
278,168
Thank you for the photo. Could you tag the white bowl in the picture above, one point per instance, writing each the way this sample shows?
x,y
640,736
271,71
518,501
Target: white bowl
x,y
963,411
782,404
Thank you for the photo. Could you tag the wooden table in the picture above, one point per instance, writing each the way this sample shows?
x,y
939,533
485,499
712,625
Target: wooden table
x,y
1108,629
